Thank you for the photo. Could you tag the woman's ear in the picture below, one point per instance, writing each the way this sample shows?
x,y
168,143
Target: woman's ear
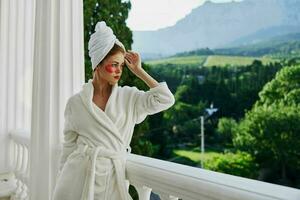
x,y
95,70
97,67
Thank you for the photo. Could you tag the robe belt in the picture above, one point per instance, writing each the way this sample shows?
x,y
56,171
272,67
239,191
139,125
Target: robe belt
x,y
116,157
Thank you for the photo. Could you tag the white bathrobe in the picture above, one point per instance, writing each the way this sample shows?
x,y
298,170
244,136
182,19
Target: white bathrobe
x,y
97,142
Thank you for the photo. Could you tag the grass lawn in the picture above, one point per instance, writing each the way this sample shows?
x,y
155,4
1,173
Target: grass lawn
x,y
209,61
234,60
182,60
238,163
195,154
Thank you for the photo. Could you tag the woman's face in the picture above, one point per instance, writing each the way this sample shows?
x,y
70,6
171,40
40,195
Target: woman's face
x,y
112,67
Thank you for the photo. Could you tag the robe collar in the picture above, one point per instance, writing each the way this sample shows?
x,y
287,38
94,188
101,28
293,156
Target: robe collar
x,y
87,94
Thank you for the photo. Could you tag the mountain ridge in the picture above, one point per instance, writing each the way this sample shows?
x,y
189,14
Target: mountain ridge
x,y
217,25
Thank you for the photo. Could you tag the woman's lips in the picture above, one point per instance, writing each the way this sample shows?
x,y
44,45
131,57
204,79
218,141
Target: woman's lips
x,y
117,77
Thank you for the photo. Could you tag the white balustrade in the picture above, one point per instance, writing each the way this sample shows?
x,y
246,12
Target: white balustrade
x,y
19,162
172,181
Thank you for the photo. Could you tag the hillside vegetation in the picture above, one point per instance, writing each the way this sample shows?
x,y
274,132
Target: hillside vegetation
x,y
234,60
189,60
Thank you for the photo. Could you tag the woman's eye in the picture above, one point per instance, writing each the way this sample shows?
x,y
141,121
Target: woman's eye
x,y
114,65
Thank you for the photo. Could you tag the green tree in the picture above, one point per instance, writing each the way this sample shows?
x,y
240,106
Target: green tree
x,y
284,88
271,135
226,129
238,164
270,131
188,91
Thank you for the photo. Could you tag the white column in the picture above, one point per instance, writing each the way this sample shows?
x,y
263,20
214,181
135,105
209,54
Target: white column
x,y
144,192
4,16
11,76
58,73
8,77
15,70
19,64
28,35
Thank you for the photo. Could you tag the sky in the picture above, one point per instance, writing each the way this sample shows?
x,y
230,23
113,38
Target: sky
x,y
155,14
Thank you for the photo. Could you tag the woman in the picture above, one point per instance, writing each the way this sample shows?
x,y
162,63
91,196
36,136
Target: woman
x,y
100,119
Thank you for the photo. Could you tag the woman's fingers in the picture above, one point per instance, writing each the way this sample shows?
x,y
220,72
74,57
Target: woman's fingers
x,y
129,55
131,52
132,56
128,60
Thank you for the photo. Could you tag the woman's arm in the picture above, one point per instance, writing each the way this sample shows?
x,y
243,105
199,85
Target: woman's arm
x,y
155,100
133,61
152,101
143,75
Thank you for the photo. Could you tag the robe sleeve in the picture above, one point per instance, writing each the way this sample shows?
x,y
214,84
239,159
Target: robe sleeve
x,y
70,136
152,101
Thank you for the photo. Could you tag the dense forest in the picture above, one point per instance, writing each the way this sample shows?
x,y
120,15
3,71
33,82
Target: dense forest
x,y
255,131
241,93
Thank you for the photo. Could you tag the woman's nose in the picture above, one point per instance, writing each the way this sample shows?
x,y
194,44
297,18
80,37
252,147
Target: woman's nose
x,y
119,69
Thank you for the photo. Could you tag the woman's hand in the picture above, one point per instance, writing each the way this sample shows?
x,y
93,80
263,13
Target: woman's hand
x,y
133,62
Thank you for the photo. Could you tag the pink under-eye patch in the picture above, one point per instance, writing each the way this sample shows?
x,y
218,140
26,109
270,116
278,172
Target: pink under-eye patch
x,y
110,69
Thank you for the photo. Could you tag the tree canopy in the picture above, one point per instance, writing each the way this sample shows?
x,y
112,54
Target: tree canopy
x,y
270,130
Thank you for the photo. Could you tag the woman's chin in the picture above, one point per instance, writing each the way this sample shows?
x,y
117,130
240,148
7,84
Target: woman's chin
x,y
113,82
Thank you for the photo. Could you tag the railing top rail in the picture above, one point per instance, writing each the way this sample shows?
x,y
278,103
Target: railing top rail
x,y
192,183
20,136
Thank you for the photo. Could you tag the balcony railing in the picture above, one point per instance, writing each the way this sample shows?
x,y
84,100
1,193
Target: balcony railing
x,y
169,180
175,181
19,145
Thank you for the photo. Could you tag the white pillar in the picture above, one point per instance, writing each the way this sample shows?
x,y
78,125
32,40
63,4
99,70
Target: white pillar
x,y
28,36
19,65
143,192
15,70
4,16
58,73
11,76
8,77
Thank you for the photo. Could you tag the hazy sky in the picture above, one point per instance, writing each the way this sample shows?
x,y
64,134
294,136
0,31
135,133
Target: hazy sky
x,y
155,14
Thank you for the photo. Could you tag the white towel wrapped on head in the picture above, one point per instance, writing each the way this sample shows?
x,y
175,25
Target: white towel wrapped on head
x,y
101,42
